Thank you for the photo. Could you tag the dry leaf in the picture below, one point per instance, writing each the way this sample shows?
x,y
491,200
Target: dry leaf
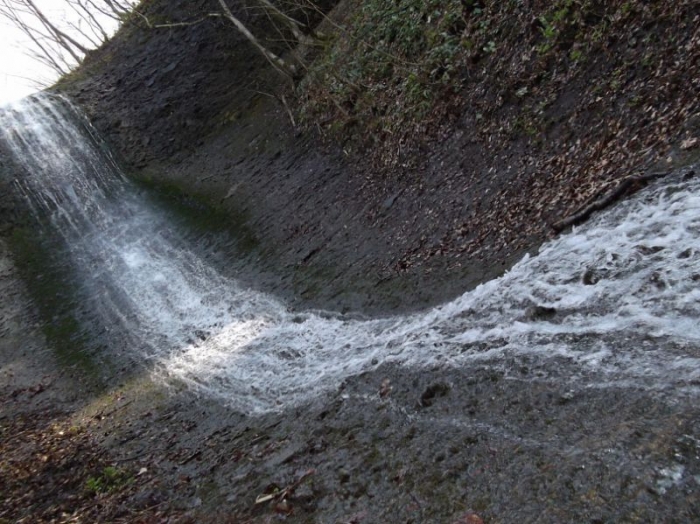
x,y
385,388
689,143
265,497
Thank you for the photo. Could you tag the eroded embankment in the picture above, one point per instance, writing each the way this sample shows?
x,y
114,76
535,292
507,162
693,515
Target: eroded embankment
x,y
376,220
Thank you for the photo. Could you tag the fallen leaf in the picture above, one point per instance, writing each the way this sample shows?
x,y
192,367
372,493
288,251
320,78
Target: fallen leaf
x,y
469,518
385,388
265,497
689,143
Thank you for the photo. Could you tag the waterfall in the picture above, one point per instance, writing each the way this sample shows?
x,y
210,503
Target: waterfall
x,y
615,303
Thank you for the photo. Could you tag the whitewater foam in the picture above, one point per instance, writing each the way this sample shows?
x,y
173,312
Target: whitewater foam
x,y
623,289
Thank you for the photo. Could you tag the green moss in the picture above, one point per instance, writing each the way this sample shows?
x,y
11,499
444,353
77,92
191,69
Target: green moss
x,y
210,492
110,479
394,64
407,50
198,214
49,285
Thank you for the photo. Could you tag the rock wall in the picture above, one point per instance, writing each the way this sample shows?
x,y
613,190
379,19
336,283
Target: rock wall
x,y
529,138
196,109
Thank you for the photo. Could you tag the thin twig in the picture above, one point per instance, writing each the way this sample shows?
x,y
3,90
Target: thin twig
x,y
289,111
187,24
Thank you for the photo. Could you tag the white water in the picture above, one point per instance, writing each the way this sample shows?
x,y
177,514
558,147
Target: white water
x,y
637,326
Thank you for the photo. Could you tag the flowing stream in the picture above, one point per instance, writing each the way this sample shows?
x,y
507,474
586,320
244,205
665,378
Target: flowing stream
x,y
616,301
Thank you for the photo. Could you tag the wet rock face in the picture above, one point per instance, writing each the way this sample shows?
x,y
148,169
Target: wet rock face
x,y
13,209
177,81
498,448
182,108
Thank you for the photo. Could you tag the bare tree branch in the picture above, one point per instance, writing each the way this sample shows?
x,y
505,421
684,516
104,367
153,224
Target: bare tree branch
x,y
12,11
301,32
61,44
82,10
66,41
277,62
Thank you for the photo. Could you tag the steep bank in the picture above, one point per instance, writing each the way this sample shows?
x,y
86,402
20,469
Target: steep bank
x,y
372,219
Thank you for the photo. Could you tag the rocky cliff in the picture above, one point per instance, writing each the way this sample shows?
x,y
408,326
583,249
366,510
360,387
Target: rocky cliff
x,y
556,104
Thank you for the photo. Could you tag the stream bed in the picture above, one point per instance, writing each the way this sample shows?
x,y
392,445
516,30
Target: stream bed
x,y
599,328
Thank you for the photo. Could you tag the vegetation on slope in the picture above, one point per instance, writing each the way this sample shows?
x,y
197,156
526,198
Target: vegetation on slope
x,y
411,67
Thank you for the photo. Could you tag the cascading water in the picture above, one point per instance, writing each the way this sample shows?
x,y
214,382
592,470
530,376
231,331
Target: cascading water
x,y
623,290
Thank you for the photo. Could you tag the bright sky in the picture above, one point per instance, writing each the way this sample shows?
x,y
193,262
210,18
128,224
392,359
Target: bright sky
x,y
20,74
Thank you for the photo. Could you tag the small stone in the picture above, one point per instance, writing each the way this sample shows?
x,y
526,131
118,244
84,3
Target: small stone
x,y
540,312
390,201
658,280
283,507
566,397
649,250
469,518
433,391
